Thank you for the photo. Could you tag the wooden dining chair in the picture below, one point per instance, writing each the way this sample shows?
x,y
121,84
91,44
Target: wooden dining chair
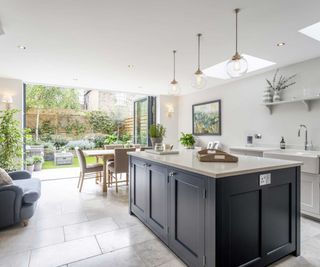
x,y
120,166
85,168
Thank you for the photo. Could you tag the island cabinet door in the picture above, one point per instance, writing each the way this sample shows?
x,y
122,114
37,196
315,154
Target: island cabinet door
x,y
187,217
257,222
157,215
138,188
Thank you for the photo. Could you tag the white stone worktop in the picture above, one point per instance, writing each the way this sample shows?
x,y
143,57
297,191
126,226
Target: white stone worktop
x,y
188,161
253,148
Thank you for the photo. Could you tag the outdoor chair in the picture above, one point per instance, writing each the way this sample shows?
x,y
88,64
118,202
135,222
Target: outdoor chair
x,y
87,168
120,166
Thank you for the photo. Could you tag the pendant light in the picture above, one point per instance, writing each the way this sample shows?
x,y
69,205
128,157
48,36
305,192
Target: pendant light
x,y
237,65
174,85
200,80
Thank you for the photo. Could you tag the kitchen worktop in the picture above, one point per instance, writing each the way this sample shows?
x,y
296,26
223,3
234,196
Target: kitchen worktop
x,y
253,148
188,161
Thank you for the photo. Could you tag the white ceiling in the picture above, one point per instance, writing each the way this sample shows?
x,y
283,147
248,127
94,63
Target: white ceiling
x,y
95,40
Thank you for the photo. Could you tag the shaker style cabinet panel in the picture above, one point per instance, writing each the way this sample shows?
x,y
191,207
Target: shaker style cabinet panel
x,y
187,218
138,188
157,215
310,197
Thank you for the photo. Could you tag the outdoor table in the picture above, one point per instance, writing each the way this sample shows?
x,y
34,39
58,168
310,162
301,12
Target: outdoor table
x,y
105,155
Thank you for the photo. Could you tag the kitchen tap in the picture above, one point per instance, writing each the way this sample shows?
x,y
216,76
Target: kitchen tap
x,y
306,135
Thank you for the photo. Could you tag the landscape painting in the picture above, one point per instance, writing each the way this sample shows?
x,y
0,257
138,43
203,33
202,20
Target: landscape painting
x,y
207,118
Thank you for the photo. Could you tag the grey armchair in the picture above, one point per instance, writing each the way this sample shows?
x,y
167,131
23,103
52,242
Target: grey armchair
x,y
18,200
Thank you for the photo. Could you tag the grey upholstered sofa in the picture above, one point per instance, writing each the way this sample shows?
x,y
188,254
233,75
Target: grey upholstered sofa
x,y
18,200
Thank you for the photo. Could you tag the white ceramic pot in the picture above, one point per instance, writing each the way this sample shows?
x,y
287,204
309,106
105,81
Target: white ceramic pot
x,y
37,167
30,168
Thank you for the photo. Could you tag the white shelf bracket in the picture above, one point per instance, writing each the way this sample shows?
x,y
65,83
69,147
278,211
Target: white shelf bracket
x,y
307,104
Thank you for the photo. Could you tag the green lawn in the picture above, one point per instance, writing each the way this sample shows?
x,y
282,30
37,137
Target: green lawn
x,y
51,165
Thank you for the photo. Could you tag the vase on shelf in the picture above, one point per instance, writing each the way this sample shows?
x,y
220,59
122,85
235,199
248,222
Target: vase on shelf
x,y
276,96
267,95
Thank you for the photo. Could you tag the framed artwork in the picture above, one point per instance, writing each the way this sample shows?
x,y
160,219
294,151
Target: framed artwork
x,y
206,118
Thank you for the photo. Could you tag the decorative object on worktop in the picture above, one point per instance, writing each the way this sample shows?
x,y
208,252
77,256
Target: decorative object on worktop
x,y
279,84
206,118
187,140
156,132
267,95
282,143
215,155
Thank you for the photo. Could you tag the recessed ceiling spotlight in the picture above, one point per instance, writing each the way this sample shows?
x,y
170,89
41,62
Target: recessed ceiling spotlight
x,y
130,66
22,47
281,44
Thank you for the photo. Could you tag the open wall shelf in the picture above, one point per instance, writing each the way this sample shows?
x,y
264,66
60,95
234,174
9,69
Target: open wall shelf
x,y
305,101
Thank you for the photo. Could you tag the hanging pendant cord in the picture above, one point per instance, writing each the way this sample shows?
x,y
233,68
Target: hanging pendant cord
x,y
237,11
199,35
174,65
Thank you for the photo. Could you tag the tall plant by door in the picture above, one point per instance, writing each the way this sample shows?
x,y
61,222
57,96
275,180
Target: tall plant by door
x,y
10,140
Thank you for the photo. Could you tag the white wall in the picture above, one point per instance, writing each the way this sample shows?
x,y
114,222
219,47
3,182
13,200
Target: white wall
x,y
12,88
169,121
243,112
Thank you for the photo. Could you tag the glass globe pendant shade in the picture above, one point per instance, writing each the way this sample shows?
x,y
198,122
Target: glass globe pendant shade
x,y
174,88
237,66
199,80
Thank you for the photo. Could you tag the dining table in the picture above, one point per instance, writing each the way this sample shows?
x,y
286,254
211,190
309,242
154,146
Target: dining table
x,y
105,155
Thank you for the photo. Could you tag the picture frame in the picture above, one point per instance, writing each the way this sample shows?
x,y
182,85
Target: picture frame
x,y
206,118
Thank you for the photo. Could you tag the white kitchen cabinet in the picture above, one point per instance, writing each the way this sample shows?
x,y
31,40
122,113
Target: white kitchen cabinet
x,y
310,188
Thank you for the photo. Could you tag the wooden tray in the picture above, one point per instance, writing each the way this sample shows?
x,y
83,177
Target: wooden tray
x,y
215,155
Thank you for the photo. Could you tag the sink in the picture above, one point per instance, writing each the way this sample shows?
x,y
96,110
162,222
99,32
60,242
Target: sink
x,y
310,159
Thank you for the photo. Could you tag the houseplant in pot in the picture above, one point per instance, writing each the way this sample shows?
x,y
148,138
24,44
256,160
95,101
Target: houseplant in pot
x,y
187,140
29,164
38,161
157,132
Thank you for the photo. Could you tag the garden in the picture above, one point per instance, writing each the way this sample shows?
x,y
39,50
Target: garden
x,y
58,121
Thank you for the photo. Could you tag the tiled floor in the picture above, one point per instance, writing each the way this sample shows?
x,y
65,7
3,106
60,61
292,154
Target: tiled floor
x,y
93,229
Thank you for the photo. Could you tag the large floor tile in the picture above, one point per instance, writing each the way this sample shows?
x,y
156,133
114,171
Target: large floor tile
x,y
25,239
154,252
173,263
89,228
15,260
61,220
65,253
124,237
125,257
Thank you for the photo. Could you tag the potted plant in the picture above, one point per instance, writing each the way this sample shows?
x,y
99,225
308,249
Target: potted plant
x,y
38,161
157,132
29,164
277,85
187,140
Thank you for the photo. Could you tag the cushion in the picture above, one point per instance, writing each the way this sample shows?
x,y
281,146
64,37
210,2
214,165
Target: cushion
x,y
31,189
5,179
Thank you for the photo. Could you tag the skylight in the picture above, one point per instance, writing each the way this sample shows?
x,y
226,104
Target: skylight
x,y
312,31
254,63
